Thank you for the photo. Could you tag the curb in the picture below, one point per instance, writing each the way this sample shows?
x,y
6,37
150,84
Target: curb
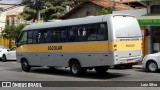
x,y
137,66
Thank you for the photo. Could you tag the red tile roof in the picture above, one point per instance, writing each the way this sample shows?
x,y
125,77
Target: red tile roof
x,y
109,3
100,3
127,1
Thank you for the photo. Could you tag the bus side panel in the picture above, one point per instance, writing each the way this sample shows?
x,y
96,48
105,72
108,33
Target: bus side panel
x,y
92,54
86,59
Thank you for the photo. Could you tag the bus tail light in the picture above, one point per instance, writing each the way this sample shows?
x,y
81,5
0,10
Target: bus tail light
x,y
142,48
115,47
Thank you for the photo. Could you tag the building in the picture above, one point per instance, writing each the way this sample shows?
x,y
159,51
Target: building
x,y
93,7
132,3
150,24
9,14
14,18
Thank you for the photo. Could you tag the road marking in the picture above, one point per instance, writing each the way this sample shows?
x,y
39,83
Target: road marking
x,y
14,62
9,62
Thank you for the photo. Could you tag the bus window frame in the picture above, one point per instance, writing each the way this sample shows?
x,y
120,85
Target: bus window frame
x,y
62,28
19,42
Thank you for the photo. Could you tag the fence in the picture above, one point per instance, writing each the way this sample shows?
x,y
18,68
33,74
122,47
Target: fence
x,y
7,43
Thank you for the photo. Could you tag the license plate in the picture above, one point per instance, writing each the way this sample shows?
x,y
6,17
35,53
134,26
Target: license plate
x,y
130,61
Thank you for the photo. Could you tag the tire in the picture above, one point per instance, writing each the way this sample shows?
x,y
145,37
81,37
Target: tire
x,y
4,59
25,66
101,70
76,69
152,66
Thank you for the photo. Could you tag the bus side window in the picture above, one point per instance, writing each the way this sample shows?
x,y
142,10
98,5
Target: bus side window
x,y
80,36
35,36
54,36
91,32
73,34
49,37
103,30
58,35
42,36
63,35
97,32
30,37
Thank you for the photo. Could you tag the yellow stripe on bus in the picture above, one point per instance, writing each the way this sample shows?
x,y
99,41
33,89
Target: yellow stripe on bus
x,y
81,47
126,45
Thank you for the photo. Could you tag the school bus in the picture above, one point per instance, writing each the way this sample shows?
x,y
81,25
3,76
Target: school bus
x,y
82,43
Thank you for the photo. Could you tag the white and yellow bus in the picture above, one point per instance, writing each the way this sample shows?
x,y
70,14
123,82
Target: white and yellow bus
x,y
83,43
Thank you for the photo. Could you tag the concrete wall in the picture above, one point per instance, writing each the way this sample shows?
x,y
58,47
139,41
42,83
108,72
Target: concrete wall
x,y
86,10
137,12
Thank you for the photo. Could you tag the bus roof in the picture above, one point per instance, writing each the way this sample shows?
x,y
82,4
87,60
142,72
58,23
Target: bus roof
x,y
68,22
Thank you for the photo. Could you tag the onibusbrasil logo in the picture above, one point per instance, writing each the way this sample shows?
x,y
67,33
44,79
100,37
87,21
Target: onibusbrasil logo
x,y
21,84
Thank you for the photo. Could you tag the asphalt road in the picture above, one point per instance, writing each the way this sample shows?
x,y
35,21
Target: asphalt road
x,y
11,71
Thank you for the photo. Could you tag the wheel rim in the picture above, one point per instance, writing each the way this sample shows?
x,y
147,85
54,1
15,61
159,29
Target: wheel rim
x,y
152,67
24,66
75,68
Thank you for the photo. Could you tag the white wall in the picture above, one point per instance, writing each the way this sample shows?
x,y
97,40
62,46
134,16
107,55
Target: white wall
x,y
2,21
137,12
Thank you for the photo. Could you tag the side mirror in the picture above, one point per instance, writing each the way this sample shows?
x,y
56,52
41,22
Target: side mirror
x,y
8,50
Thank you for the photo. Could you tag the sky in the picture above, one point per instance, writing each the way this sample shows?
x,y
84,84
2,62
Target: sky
x,y
10,1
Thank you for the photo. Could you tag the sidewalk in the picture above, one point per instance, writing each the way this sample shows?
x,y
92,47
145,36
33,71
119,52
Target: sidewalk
x,y
137,66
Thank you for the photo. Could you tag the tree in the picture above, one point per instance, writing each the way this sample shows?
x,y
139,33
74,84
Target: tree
x,y
49,9
105,11
11,32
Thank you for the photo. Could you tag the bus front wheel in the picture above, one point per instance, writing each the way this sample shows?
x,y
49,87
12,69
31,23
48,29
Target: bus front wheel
x,y
76,68
25,66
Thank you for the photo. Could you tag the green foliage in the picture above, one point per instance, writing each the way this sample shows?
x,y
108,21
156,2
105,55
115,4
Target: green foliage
x,y
11,32
29,14
25,2
105,11
51,12
49,9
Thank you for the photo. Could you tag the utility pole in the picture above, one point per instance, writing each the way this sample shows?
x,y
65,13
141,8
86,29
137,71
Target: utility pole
x,y
114,5
38,2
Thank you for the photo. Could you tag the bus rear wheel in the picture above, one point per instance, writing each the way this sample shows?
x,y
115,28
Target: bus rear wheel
x,y
101,69
76,68
25,66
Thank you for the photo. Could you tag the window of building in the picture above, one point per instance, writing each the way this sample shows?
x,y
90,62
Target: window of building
x,y
155,9
7,22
